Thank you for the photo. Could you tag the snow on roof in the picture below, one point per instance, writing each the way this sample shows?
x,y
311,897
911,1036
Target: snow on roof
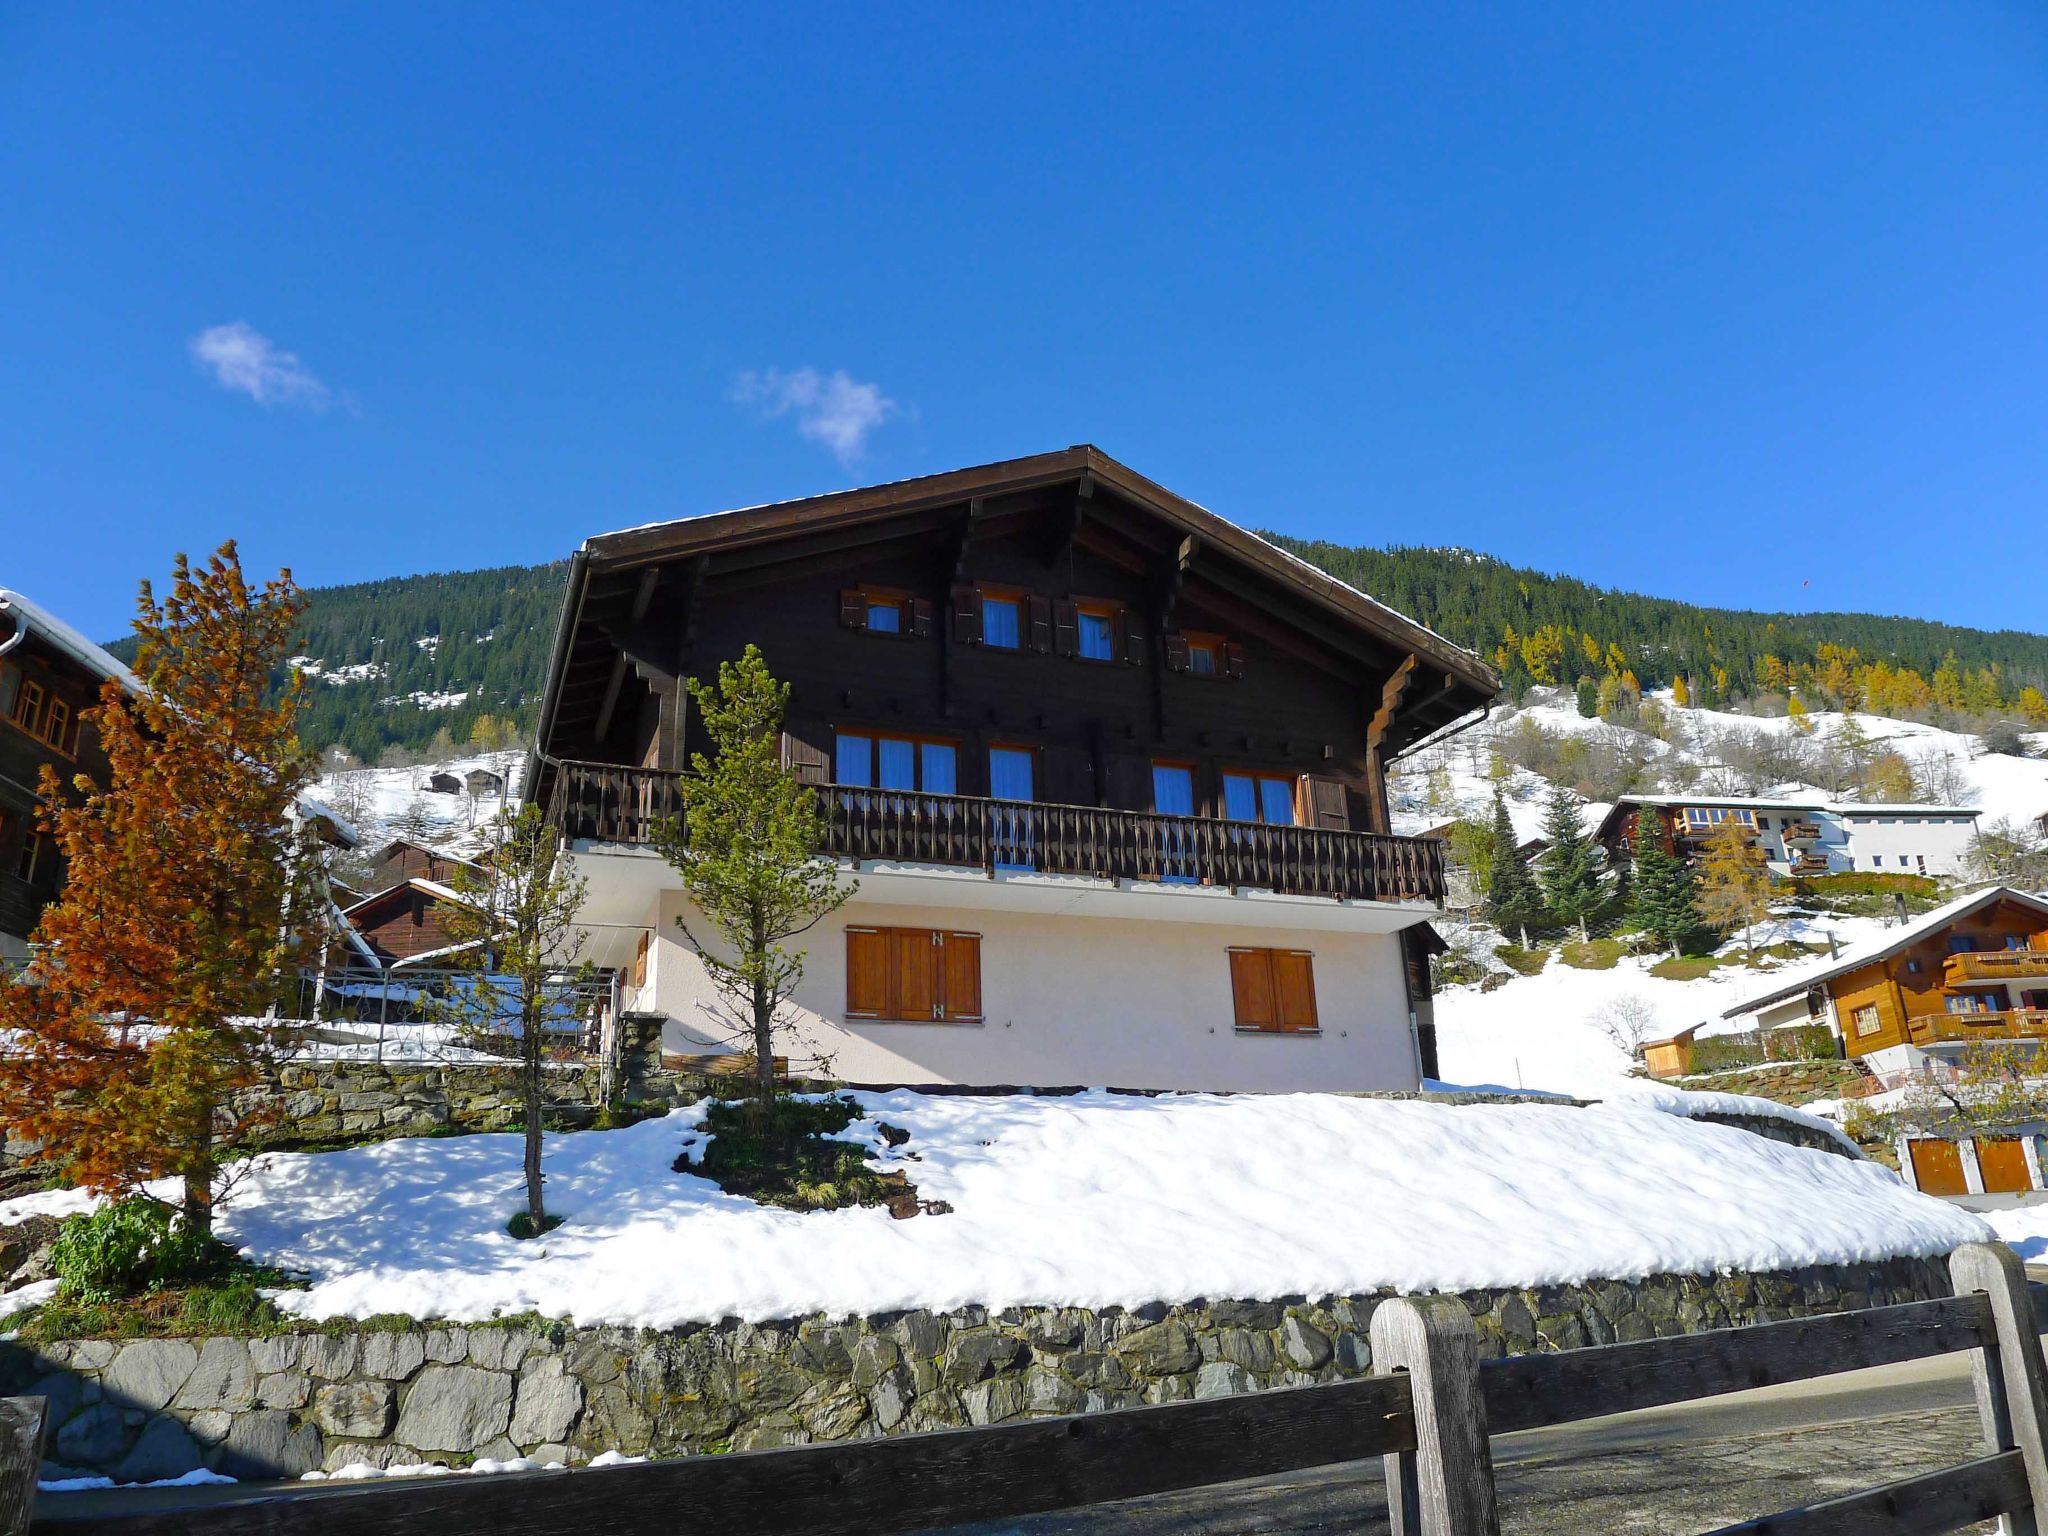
x,y
47,626
1890,941
1833,807
312,807
432,888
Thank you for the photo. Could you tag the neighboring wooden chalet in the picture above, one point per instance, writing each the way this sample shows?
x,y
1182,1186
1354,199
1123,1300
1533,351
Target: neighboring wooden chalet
x,y
443,784
483,784
50,679
403,859
1111,770
403,923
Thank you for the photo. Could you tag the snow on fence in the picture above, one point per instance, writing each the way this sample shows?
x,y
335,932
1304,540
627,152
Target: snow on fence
x,y
1430,1411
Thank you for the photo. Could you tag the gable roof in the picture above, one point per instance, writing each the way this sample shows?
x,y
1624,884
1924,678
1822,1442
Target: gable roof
x,y
46,626
1888,943
1469,681
429,888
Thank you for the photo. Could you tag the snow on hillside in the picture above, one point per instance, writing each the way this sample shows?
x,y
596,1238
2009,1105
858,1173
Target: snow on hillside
x,y
1093,1200
383,803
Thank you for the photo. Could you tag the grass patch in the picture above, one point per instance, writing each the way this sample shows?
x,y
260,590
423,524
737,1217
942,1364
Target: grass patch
x,y
1593,954
1523,962
1688,967
792,1159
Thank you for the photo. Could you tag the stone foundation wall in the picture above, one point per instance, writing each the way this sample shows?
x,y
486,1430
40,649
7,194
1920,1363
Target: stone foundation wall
x,y
330,1101
282,1405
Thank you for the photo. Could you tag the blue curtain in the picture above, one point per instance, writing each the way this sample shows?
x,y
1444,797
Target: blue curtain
x,y
940,771
999,622
1239,803
1009,773
1173,790
897,763
854,762
1276,801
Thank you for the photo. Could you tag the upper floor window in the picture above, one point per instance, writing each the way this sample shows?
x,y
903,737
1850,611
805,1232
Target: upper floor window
x,y
57,724
885,611
1865,1020
1203,654
897,762
1002,621
1259,797
885,615
32,861
28,707
1095,629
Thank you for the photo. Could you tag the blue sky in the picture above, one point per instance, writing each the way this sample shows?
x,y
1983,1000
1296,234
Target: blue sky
x,y
1738,303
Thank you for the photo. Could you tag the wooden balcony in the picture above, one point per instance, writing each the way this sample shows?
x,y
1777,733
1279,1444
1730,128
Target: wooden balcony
x,y
1994,967
1802,832
1975,1028
606,803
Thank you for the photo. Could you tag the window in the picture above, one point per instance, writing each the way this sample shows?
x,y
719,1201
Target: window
x,y
1013,830
1173,789
896,762
1968,1002
1273,991
1961,944
885,611
913,975
1001,624
1865,1020
885,616
1203,655
28,707
1095,632
57,724
31,860
1259,797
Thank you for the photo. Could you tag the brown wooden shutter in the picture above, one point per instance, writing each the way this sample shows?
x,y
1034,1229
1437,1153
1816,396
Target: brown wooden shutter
x,y
1134,639
1066,628
921,617
1176,651
1252,993
1039,611
639,973
1130,782
805,754
1294,985
1327,806
966,615
853,608
914,973
961,998
1233,660
867,973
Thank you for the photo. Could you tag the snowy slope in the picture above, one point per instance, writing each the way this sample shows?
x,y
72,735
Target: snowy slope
x,y
378,801
1092,1200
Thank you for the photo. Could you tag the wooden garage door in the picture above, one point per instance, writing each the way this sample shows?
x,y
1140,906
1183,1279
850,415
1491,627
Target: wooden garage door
x,y
2003,1162
1937,1167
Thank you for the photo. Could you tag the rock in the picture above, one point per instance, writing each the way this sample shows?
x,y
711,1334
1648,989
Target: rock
x,y
1353,1354
612,1421
1517,1325
278,1352
148,1373
768,1382
285,1389
211,1427
890,1398
500,1449
1306,1346
1163,1349
595,1358
991,1402
359,1410
62,1395
165,1449
1222,1379
222,1378
500,1349
831,1411
349,1453
547,1402
447,1346
873,1358
455,1408
94,1437
1253,1351
1244,1314
1047,1391
393,1356
331,1356
263,1444
978,1353
921,1335
935,1410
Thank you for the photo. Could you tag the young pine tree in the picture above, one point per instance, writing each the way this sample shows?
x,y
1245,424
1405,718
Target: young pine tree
x,y
1735,883
745,848
523,956
1663,892
1589,697
1573,887
136,1024
1513,899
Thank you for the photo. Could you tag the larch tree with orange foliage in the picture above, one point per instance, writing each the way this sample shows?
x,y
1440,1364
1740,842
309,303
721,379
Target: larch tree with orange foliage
x,y
135,1030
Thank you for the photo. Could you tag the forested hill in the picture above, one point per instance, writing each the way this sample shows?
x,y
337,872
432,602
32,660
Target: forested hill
x,y
398,661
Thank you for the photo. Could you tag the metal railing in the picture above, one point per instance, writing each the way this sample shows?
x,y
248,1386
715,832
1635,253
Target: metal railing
x,y
423,1013
607,803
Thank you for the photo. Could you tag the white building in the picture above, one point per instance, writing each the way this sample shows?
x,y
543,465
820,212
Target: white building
x,y
1815,836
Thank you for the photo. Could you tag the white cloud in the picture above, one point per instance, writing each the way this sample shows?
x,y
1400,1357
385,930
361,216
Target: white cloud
x,y
245,360
830,408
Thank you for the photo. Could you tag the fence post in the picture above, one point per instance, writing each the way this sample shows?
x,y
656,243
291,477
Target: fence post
x,y
21,1459
1444,1487
2008,1372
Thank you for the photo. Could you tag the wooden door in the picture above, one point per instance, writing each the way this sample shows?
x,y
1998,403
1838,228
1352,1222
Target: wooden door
x,y
2002,1160
1937,1167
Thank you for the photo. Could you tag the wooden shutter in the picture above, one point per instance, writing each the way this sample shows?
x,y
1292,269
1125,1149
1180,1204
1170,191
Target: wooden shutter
x,y
804,753
1294,984
960,997
1176,651
913,973
10,684
1066,629
1252,993
867,973
1134,639
1327,806
1038,610
966,616
638,976
921,617
1233,660
853,608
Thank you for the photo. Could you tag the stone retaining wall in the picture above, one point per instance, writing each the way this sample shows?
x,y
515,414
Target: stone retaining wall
x,y
283,1405
333,1100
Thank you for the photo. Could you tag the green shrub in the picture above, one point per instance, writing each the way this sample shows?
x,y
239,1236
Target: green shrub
x,y
791,1158
521,1225
1523,962
130,1248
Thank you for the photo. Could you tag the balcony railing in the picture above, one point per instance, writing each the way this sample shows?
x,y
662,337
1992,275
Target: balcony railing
x,y
1966,1028
613,804
1802,832
1994,965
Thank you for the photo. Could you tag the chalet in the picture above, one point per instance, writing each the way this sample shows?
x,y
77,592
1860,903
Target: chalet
x,y
483,784
1911,1002
1806,837
406,922
1108,768
403,859
50,677
443,784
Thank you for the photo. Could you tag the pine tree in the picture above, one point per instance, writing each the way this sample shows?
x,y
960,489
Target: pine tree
x,y
1573,887
1513,899
744,848
1589,697
1735,883
1663,891
517,942
136,1025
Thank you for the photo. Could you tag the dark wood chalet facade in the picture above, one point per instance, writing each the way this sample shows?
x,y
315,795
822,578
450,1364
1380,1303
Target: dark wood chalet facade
x,y
1171,697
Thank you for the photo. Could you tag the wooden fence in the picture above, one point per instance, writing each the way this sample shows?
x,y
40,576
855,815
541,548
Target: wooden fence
x,y
1430,1411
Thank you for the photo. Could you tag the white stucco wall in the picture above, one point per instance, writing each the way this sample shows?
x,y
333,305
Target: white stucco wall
x,y
1077,1001
1895,843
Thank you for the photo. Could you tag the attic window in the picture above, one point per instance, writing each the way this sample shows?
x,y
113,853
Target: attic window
x,y
885,616
885,611
1203,654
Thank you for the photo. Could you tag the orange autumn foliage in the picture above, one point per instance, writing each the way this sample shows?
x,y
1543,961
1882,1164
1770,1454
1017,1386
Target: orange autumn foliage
x,y
131,1033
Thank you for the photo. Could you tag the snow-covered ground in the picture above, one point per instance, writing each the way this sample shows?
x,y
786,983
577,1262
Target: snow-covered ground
x,y
2025,1228
1093,1200
378,801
